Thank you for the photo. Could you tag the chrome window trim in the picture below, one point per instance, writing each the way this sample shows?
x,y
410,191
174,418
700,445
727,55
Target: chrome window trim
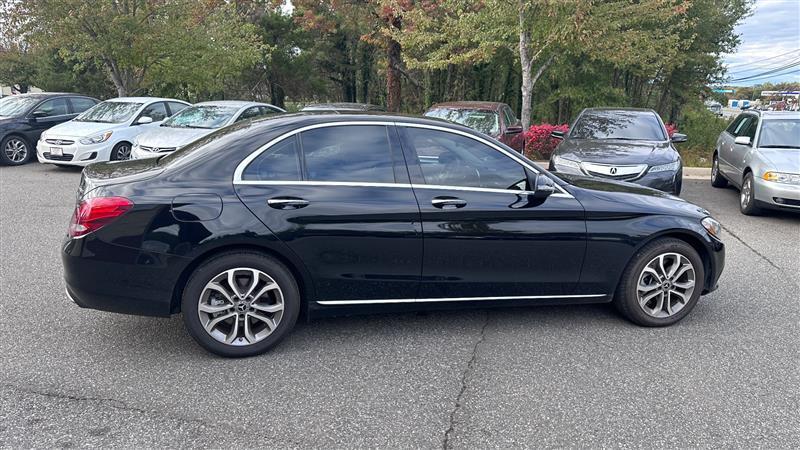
x,y
237,174
448,299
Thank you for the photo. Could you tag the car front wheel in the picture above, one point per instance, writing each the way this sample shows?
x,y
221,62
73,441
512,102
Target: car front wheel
x,y
747,197
661,284
240,304
121,152
14,151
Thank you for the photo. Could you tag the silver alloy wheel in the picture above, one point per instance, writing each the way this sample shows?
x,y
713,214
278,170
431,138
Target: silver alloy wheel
x,y
16,150
666,285
240,306
747,192
123,152
714,168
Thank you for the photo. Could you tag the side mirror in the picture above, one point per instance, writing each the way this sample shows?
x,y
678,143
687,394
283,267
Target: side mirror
x,y
742,140
514,129
678,137
557,134
144,120
543,186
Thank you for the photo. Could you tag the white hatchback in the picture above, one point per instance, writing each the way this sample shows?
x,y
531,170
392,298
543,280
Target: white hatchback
x,y
104,132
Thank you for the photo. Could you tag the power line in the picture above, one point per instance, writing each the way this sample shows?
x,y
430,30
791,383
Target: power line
x,y
771,71
790,72
761,67
765,59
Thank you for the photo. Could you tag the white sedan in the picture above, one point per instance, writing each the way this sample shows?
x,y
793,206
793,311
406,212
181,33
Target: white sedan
x,y
195,122
104,132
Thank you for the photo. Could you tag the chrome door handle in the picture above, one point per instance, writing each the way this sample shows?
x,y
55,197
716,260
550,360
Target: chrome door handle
x,y
287,203
448,202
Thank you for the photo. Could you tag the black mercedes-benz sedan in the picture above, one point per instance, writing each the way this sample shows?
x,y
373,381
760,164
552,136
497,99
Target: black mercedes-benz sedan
x,y
622,144
258,223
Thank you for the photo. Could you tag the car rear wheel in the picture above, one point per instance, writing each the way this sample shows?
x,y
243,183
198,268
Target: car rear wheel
x,y
747,197
240,304
14,151
717,180
661,284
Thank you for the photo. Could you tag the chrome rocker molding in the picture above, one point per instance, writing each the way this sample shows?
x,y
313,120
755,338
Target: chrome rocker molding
x,y
237,174
448,299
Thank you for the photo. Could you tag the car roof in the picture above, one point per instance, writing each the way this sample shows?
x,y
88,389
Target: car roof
x,y
44,95
230,103
768,115
494,106
144,100
342,106
621,108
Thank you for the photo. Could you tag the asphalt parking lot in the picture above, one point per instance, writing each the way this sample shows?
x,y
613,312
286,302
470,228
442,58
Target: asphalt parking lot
x,y
578,376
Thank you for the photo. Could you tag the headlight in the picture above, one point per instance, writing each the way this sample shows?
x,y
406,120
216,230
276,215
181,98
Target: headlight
x,y
713,227
780,177
567,165
96,139
671,167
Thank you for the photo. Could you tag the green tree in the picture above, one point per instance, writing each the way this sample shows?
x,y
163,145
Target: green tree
x,y
142,44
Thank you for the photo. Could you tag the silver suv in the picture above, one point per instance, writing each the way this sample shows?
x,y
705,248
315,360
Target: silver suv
x,y
759,153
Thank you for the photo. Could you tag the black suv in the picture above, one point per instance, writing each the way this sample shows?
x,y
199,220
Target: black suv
x,y
24,117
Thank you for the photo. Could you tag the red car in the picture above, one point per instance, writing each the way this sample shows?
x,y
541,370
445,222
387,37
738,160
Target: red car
x,y
491,118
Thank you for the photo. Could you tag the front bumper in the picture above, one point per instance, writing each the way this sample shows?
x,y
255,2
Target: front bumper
x,y
75,154
668,181
777,195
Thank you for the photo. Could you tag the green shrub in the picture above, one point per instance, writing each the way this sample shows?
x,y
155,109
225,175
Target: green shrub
x,y
702,128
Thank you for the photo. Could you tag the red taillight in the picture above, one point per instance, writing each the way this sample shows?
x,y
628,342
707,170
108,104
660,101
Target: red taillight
x,y
94,213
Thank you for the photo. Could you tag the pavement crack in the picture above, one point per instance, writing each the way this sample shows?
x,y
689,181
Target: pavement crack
x,y
764,257
465,375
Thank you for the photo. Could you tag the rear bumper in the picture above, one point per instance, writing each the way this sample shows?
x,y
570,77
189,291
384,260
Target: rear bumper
x,y
114,278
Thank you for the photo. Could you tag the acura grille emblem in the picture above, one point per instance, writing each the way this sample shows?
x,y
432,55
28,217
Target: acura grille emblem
x,y
613,171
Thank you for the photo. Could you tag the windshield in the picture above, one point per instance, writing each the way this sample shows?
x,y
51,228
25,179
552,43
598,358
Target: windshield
x,y
625,125
783,133
16,106
487,122
109,112
208,116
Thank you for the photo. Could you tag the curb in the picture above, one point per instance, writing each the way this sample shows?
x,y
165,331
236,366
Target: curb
x,y
689,173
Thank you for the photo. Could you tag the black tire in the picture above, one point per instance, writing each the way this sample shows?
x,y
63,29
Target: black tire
x,y
717,180
119,152
626,298
676,190
10,147
218,265
748,204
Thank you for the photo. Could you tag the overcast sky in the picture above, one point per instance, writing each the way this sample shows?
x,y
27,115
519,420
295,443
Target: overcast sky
x,y
772,30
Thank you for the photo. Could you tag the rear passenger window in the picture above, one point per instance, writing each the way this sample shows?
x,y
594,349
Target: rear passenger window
x,y
175,107
281,162
81,104
356,153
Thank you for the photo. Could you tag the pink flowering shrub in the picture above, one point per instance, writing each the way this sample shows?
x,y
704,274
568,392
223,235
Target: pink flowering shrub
x,y
538,143
671,128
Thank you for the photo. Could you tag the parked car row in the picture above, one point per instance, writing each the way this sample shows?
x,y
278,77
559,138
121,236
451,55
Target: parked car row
x,y
76,130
